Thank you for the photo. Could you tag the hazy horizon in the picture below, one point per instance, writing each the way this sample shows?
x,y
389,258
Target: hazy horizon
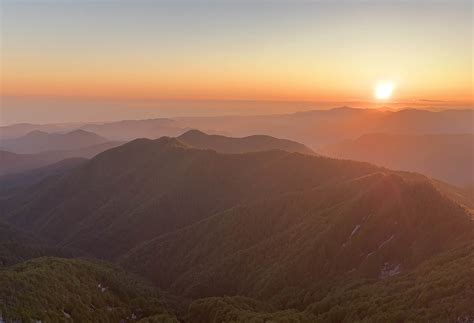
x,y
43,110
67,61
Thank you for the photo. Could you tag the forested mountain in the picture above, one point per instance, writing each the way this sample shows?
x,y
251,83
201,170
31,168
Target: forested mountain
x,y
340,230
38,141
17,246
11,162
61,290
285,235
441,290
199,139
446,157
137,191
11,183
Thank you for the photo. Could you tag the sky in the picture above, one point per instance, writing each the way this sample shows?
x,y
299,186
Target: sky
x,y
92,53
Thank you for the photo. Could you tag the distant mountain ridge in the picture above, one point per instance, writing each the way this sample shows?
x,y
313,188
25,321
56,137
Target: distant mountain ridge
x,y
449,157
15,181
132,129
15,163
199,139
318,128
21,129
315,128
39,141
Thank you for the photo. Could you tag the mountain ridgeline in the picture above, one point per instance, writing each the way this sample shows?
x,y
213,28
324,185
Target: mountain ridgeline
x,y
38,149
448,157
38,141
238,229
314,128
223,144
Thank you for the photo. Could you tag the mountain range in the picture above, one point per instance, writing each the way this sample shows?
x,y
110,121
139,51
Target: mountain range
x,y
448,157
314,128
258,225
223,144
16,163
211,228
132,129
39,141
319,128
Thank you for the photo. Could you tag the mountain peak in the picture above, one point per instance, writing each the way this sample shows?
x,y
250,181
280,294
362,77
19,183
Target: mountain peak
x,y
170,141
36,133
232,145
80,132
193,133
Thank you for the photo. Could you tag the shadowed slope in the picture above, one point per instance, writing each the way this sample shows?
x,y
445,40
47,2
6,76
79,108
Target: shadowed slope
x,y
268,248
11,163
283,228
145,188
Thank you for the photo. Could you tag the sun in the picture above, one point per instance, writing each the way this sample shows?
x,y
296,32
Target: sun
x,y
383,91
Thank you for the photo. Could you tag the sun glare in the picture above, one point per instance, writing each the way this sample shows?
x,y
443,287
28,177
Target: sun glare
x,y
383,91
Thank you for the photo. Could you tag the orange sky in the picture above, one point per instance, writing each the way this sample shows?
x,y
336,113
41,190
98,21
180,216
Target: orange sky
x,y
304,52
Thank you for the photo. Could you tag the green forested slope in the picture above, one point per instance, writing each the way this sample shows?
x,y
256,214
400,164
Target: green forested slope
x,y
441,290
145,188
260,236
274,248
56,290
17,246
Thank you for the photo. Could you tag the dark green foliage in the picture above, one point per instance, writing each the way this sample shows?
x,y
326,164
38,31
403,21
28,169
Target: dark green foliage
x,y
145,188
17,246
241,309
441,290
269,249
287,237
54,289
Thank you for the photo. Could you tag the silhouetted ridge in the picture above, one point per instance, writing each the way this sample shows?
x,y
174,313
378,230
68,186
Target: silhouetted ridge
x,y
192,133
223,144
39,141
